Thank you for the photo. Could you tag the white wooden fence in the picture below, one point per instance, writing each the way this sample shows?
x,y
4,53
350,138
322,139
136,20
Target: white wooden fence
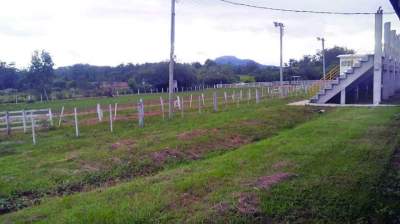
x,y
22,120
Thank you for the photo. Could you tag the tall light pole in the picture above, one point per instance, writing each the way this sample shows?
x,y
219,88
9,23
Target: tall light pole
x,y
171,62
281,28
323,56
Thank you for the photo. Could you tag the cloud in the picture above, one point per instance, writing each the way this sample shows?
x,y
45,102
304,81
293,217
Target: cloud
x,y
110,32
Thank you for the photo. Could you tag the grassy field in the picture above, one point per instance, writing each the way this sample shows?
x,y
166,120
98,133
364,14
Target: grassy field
x,y
255,163
63,164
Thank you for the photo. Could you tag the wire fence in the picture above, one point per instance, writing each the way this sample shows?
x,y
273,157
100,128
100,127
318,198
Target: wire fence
x,y
183,104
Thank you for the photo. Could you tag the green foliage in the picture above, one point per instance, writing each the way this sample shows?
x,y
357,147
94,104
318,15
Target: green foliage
x,y
247,79
40,75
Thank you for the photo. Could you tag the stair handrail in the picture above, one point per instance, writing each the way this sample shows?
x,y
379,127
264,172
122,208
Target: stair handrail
x,y
318,85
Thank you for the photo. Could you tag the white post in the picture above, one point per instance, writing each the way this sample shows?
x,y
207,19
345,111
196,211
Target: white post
x,y
61,116
199,104
182,106
226,98
178,100
343,97
202,97
115,111
171,61
215,100
378,58
51,117
33,129
24,120
191,99
111,118
76,123
141,113
257,97
162,107
99,113
8,125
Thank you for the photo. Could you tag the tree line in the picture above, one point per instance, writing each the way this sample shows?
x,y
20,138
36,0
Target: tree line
x,y
41,78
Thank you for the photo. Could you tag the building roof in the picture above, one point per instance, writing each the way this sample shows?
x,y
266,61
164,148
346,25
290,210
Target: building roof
x,y
396,6
353,55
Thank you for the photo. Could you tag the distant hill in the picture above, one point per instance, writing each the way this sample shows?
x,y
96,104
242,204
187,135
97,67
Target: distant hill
x,y
232,60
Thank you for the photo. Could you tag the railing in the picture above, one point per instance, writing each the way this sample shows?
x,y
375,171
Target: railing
x,y
320,84
22,120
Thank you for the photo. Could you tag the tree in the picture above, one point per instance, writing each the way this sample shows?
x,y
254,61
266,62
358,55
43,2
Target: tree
x,y
8,76
41,73
132,84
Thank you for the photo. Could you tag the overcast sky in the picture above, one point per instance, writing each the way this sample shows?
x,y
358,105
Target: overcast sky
x,y
110,32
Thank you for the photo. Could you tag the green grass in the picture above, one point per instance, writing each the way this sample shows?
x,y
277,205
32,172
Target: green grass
x,y
61,163
337,159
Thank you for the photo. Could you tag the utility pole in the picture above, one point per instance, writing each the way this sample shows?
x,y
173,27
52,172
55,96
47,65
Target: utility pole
x,y
171,62
323,56
281,27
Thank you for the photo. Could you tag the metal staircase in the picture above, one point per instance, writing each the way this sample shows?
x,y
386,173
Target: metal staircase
x,y
330,88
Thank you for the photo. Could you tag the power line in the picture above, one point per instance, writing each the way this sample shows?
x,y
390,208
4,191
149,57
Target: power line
x,y
298,11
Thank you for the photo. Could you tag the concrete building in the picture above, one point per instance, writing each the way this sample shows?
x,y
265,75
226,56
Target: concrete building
x,y
366,79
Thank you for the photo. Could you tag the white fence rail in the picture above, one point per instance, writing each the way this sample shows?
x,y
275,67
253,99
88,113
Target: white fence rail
x,y
22,120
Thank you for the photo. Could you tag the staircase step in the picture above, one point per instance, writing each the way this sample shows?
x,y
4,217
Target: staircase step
x,y
364,59
357,65
349,71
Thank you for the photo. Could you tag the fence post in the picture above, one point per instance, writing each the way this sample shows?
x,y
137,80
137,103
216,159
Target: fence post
x,y
115,111
199,104
33,129
99,114
182,106
8,125
162,107
24,120
202,97
76,123
191,99
215,101
241,95
141,113
111,118
61,116
51,117
226,98
257,97
178,100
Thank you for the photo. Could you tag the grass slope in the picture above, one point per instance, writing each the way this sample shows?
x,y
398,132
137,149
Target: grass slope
x,y
63,164
336,161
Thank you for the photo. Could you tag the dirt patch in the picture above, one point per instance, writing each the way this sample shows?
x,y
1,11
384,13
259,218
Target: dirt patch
x,y
189,135
248,204
162,156
223,208
89,166
236,141
252,123
267,182
72,156
126,142
184,201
